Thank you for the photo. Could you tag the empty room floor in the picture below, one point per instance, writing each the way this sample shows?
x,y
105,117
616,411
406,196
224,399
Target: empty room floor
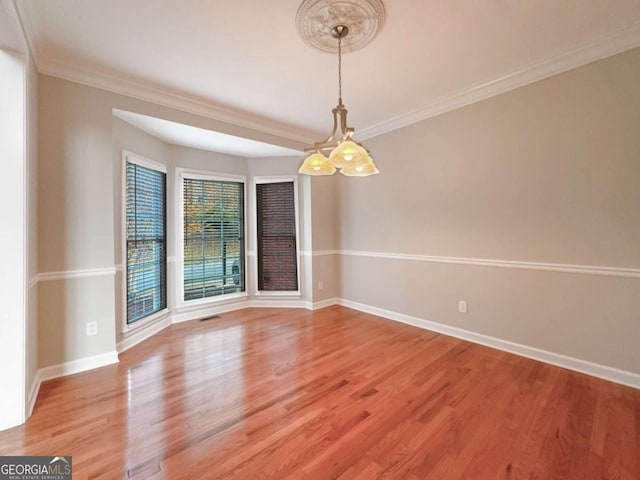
x,y
335,393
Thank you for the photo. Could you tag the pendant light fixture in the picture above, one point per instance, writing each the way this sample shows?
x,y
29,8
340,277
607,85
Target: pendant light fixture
x,y
344,154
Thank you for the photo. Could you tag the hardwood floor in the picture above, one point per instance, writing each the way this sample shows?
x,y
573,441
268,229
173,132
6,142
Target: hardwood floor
x,y
291,394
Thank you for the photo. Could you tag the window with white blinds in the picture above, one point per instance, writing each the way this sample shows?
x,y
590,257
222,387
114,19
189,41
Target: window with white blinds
x,y
276,235
145,241
213,241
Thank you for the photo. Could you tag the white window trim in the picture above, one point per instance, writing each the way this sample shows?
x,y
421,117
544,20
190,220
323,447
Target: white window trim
x,y
180,175
254,215
129,157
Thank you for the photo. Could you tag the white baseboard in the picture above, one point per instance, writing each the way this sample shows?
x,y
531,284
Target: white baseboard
x,y
33,393
6,423
583,366
77,366
138,336
321,304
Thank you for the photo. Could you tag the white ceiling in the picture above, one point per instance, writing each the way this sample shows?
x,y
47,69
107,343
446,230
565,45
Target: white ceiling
x,y
243,61
194,137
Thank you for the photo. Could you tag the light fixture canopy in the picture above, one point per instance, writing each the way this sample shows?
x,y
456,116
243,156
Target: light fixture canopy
x,y
347,155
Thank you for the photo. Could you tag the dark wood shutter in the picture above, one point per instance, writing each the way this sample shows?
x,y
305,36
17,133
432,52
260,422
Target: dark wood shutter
x,y
146,241
277,253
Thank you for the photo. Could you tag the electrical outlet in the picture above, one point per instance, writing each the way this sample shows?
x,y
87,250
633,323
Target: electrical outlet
x,y
92,328
320,284
462,306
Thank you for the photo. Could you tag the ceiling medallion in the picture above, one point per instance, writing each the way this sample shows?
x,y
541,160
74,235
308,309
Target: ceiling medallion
x,y
317,18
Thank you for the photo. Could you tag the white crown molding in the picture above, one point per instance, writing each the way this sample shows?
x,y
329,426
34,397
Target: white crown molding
x,y
482,262
78,366
616,375
69,274
172,99
606,46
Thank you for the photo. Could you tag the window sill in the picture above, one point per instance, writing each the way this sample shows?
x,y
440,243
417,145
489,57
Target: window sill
x,y
271,293
212,301
146,321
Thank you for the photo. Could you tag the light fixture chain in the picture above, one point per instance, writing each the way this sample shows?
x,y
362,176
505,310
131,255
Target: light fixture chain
x,y
340,70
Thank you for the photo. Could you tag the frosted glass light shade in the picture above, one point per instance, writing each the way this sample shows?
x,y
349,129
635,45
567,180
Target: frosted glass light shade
x,y
348,153
316,164
360,170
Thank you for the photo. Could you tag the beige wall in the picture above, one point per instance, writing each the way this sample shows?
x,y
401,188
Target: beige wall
x,y
546,173
195,159
75,220
65,307
76,177
325,215
325,194
79,207
327,277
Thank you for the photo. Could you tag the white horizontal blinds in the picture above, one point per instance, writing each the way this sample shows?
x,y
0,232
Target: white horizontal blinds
x,y
146,242
277,257
213,238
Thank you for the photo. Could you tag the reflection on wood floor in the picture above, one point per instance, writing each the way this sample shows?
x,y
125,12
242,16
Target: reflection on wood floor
x,y
287,393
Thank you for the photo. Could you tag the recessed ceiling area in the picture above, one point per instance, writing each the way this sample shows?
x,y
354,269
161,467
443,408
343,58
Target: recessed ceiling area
x,y
244,62
202,139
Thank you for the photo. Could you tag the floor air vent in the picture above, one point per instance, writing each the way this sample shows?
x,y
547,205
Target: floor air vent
x,y
209,318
